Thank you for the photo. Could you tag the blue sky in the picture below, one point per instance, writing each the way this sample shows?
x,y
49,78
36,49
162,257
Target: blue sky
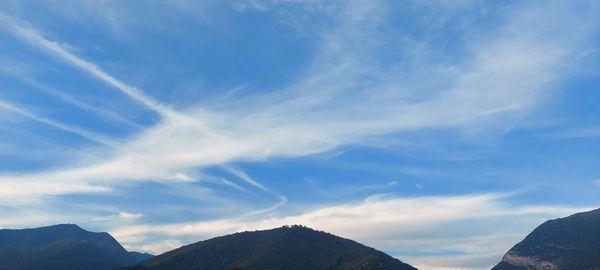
x,y
440,132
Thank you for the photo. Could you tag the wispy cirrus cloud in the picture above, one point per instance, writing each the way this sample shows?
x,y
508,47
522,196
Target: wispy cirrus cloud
x,y
103,112
97,138
119,217
368,78
33,37
507,75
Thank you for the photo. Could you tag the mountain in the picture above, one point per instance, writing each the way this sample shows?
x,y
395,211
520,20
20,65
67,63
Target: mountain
x,y
289,248
139,257
571,243
61,247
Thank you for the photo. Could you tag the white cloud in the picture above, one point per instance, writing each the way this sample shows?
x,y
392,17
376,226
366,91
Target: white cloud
x,y
473,225
15,192
62,126
119,217
33,37
508,75
129,216
157,247
106,113
242,175
344,97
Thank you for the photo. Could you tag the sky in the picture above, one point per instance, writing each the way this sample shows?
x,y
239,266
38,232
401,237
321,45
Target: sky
x,y
440,132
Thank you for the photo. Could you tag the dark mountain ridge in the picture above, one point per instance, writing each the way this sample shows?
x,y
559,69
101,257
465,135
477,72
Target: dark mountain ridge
x,y
61,247
289,248
570,243
140,256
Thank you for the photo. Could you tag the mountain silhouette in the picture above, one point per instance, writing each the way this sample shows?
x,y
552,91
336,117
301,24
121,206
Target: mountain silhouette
x,y
61,247
289,248
139,256
570,243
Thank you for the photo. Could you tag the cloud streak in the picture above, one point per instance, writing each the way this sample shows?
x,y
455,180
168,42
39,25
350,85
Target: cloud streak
x,y
471,225
350,93
33,37
62,126
508,75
